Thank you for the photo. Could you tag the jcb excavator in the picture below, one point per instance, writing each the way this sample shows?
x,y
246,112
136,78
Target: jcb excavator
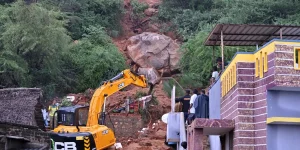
x,y
82,127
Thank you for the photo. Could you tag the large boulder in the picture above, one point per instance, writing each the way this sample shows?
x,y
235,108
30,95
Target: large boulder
x,y
21,106
152,50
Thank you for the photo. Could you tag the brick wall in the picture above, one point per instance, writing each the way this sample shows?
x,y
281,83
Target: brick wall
x,y
125,125
285,74
33,134
246,104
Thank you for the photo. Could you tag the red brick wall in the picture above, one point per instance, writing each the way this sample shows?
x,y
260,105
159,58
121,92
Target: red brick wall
x,y
285,74
260,104
246,104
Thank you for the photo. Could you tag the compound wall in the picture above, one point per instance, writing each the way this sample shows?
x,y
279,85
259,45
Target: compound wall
x,y
125,125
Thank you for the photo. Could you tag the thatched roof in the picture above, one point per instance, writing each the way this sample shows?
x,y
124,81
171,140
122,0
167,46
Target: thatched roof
x,y
21,106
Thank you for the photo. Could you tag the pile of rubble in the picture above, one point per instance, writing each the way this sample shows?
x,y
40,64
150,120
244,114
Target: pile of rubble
x,y
151,138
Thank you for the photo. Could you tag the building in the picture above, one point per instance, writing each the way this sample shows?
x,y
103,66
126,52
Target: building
x,y
258,91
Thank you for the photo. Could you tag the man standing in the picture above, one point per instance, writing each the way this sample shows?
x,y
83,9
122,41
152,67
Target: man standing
x,y
52,109
185,100
219,64
201,105
215,75
192,109
45,116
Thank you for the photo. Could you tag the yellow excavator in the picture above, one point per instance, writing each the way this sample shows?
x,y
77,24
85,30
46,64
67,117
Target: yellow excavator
x,y
82,127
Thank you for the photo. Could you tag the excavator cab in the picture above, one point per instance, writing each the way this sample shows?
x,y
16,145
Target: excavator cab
x,y
72,116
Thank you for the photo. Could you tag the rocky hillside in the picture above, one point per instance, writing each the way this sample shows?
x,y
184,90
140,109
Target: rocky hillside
x,y
144,45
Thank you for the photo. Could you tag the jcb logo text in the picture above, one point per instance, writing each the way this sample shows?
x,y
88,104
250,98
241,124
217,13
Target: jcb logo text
x,y
65,146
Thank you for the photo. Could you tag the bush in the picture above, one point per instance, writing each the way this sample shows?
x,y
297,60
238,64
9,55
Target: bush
x,y
84,13
168,86
65,103
97,58
140,94
137,11
33,44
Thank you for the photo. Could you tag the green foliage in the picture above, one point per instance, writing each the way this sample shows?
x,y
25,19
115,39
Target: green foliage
x,y
197,61
140,94
84,13
36,50
65,103
193,20
97,58
153,101
137,10
145,115
13,69
168,86
34,42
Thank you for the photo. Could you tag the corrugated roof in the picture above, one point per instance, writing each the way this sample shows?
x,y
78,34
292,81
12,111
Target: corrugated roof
x,y
250,34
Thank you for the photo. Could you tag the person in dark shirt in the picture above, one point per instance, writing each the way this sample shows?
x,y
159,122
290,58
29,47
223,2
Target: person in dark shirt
x,y
219,64
185,100
202,106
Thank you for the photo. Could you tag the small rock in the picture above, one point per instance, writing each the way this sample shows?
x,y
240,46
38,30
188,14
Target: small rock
x,y
138,30
145,143
165,147
118,146
150,11
160,134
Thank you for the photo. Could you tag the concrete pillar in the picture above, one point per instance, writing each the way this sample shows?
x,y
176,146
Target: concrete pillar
x,y
195,138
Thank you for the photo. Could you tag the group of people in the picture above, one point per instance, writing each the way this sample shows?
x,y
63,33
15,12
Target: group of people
x,y
195,106
48,115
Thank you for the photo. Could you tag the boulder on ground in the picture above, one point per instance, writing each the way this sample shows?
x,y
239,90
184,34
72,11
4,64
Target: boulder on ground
x,y
152,50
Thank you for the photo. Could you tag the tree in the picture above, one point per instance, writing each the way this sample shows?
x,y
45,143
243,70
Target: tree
x,y
34,41
84,13
97,58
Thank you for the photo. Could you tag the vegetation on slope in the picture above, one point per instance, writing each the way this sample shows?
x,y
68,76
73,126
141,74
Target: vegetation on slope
x,y
194,19
65,46
37,49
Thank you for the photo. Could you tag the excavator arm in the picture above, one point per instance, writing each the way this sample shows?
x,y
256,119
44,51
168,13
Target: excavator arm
x,y
108,88
78,135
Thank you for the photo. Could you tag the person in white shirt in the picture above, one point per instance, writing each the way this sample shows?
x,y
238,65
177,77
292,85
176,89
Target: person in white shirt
x,y
192,109
45,117
215,75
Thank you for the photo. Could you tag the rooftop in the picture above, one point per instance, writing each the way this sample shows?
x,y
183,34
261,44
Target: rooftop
x,y
250,34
